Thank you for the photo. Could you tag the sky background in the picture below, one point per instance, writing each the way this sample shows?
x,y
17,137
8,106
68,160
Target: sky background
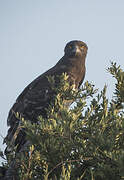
x,y
33,34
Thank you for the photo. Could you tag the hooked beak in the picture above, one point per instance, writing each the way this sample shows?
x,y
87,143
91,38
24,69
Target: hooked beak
x,y
75,51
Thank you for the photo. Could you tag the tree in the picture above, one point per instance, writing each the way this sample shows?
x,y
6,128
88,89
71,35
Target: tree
x,y
83,142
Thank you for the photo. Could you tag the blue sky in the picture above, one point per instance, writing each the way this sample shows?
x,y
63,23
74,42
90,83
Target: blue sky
x,y
33,35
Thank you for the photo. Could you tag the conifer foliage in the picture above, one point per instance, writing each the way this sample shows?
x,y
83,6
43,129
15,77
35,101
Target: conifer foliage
x,y
82,142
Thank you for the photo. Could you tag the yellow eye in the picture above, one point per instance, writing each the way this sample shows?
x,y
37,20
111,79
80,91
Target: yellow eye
x,y
82,46
70,46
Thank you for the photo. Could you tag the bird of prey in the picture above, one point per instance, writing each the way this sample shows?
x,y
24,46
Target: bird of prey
x,y
37,96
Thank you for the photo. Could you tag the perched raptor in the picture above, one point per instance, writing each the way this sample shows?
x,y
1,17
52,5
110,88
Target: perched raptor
x,y
36,97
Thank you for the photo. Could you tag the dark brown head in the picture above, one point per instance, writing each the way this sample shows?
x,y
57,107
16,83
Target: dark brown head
x,y
75,49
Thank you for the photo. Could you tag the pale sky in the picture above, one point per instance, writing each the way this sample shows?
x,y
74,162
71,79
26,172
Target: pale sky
x,y
33,34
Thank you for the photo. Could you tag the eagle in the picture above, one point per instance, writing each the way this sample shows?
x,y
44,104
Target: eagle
x,y
36,97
